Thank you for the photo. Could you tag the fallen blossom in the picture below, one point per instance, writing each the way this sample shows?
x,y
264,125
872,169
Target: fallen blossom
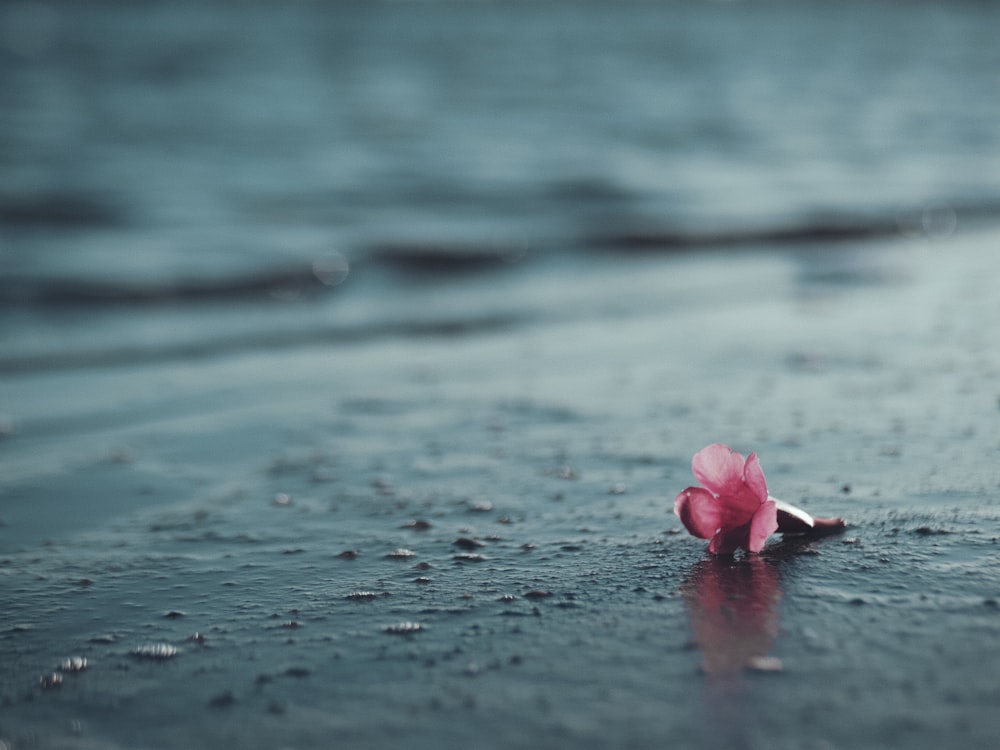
x,y
732,506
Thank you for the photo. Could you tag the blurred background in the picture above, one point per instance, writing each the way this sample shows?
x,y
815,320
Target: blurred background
x,y
183,178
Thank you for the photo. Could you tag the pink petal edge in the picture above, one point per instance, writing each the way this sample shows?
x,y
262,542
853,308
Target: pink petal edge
x,y
763,524
718,468
753,476
699,511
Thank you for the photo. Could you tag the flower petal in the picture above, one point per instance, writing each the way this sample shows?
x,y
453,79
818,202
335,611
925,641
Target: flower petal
x,y
727,541
719,468
753,476
700,511
792,520
763,524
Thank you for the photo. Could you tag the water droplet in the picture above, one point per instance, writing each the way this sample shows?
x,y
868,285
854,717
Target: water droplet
x,y
765,664
417,525
331,269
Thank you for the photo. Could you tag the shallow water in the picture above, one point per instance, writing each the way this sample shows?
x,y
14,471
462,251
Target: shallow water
x,y
166,168
563,247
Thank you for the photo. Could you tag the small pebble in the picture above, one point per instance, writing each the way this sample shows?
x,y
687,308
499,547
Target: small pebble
x,y
156,651
49,681
361,596
403,628
73,664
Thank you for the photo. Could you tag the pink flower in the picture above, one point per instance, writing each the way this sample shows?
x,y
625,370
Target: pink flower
x,y
733,507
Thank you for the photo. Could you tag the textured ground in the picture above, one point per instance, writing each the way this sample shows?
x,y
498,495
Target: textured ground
x,y
544,596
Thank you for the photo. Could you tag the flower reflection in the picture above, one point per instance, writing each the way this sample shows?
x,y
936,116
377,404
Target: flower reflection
x,y
733,606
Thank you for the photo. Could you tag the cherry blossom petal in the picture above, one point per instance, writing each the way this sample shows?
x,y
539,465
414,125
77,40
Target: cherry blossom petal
x,y
700,511
727,541
753,477
763,524
719,468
